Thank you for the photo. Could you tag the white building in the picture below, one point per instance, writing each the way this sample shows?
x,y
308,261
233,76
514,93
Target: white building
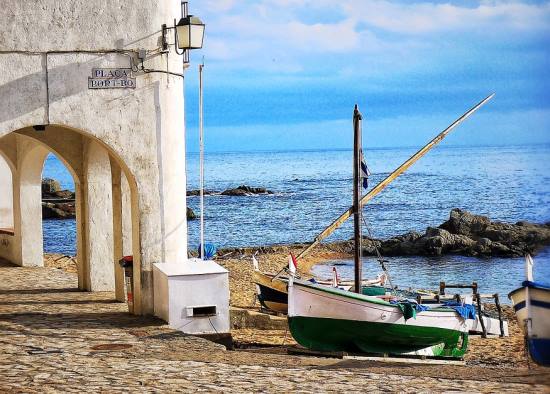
x,y
124,146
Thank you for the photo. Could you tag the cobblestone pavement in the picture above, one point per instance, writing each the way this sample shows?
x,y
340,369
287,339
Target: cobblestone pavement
x,y
54,338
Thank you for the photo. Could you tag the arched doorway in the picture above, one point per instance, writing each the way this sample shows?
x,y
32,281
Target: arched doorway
x,y
107,224
6,194
58,210
6,207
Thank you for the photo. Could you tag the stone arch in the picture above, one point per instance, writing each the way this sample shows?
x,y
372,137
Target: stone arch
x,y
27,198
92,163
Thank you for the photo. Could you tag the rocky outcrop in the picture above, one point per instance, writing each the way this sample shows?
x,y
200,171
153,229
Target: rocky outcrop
x,y
198,192
191,214
64,210
57,203
466,234
50,186
244,190
60,204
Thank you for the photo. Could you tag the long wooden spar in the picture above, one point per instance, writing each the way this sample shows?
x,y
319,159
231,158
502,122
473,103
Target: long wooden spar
x,y
382,185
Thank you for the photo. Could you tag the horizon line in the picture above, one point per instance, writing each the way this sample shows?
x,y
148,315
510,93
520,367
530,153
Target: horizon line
x,y
454,146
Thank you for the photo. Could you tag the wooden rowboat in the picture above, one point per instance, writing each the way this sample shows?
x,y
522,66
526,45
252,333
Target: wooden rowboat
x,y
272,292
532,307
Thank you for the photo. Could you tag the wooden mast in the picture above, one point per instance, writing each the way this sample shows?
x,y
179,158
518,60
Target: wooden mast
x,y
382,185
357,118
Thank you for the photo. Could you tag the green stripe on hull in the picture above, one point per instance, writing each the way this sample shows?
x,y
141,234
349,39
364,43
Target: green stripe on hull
x,y
324,334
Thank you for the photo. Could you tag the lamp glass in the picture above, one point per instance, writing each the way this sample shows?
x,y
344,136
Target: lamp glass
x,y
197,34
183,36
190,33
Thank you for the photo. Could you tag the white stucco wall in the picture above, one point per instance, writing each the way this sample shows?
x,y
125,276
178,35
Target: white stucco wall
x,y
47,52
126,217
100,218
28,203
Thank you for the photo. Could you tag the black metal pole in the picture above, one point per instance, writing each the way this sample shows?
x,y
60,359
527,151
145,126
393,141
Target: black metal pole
x,y
357,118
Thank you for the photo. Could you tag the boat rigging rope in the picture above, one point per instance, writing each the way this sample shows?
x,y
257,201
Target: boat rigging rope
x,y
380,259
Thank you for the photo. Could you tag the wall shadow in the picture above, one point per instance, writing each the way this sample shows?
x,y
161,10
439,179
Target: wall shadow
x,y
85,321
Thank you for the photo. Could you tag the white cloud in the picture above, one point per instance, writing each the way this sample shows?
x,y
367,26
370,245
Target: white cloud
x,y
340,37
216,5
420,18
285,36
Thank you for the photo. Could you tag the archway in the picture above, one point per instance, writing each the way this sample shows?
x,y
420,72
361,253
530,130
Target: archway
x,y
6,207
58,209
6,194
107,224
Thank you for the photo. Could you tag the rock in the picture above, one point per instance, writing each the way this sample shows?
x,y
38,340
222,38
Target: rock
x,y
483,246
498,249
198,192
466,234
437,241
401,245
190,214
57,203
51,190
463,222
50,186
66,194
369,246
516,239
58,211
244,190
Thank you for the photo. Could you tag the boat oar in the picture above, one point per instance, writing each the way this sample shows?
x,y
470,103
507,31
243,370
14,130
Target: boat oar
x,y
382,185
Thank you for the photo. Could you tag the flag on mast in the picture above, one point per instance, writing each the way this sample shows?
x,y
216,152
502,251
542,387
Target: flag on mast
x,y
335,279
365,173
292,264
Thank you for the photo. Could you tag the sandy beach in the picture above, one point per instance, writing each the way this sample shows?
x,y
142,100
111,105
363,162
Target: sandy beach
x,y
508,352
59,339
505,352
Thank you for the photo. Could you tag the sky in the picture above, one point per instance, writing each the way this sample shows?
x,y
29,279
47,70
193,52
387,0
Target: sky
x,y
286,74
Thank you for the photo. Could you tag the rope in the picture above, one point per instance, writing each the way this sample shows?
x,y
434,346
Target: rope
x,y
216,331
380,259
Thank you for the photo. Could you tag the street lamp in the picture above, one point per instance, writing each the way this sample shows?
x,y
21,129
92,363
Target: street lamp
x,y
189,33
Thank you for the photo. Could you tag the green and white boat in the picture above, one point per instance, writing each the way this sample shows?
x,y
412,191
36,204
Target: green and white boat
x,y
329,319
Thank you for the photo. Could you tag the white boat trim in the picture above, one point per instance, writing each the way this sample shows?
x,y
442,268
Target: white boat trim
x,y
309,300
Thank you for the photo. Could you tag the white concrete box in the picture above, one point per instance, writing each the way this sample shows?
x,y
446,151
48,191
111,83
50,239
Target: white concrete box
x,y
193,297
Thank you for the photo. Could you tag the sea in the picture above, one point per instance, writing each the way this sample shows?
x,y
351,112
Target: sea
x,y
311,188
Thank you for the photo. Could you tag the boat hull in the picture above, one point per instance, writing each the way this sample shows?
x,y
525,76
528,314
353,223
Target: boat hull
x,y
273,294
359,336
538,340
336,320
273,299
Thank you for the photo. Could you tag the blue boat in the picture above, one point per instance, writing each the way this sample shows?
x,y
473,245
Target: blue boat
x,y
532,307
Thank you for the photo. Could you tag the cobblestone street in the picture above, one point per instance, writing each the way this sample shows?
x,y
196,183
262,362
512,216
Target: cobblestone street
x,y
57,339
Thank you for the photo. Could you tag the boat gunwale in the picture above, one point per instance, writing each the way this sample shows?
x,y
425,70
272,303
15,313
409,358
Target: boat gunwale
x,y
361,297
543,289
